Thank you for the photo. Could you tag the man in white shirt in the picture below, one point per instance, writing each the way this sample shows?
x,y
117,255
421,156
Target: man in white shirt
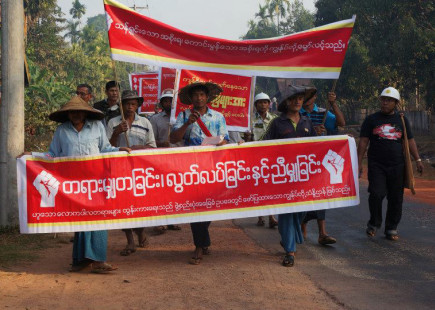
x,y
140,136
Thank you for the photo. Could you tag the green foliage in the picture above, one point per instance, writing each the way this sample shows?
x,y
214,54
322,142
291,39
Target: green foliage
x,y
57,65
393,44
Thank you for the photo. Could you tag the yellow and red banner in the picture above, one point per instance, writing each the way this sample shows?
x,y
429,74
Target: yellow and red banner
x,y
190,184
314,53
233,102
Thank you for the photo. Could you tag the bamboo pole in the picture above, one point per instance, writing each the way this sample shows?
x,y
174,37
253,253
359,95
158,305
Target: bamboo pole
x,y
120,103
326,112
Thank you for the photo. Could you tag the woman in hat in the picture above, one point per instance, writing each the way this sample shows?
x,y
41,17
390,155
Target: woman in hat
x,y
290,124
82,133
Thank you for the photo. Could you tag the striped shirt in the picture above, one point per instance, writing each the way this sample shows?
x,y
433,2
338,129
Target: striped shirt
x,y
140,132
316,116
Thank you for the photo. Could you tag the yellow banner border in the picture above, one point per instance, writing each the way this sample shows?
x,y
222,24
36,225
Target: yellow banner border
x,y
188,149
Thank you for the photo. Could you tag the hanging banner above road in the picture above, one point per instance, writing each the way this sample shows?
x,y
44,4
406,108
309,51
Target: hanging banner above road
x,y
314,53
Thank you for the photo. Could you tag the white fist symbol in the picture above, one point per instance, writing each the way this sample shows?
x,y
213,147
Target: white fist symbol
x,y
334,163
47,186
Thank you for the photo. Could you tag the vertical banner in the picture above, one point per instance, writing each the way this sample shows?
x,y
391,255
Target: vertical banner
x,y
233,102
166,79
149,90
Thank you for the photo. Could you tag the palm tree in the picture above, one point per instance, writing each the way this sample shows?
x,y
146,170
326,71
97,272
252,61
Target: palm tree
x,y
73,32
78,10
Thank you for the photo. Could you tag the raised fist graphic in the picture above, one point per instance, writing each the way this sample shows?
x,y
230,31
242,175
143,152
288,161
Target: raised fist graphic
x,y
334,163
47,186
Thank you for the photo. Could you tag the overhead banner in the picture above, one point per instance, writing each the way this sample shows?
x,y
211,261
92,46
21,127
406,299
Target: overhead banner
x,y
149,90
314,53
181,185
233,102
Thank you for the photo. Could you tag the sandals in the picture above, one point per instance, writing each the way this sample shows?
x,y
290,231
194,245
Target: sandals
x,y
174,227
197,256
392,235
273,223
101,268
325,240
260,222
371,231
289,260
195,260
159,230
80,266
127,251
143,243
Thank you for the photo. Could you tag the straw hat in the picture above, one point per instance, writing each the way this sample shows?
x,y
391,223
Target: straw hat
x,y
75,104
131,94
213,91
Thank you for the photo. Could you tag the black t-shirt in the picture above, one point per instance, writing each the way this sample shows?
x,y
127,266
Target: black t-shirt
x,y
385,133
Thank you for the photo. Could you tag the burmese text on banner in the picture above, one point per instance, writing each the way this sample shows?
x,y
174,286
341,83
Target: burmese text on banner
x,y
149,91
233,102
190,184
314,53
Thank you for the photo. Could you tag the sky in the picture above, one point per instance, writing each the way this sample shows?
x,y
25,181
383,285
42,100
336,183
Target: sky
x,y
226,19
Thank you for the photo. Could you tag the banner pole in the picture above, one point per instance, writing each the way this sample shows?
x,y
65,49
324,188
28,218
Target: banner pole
x,y
120,103
177,73
326,112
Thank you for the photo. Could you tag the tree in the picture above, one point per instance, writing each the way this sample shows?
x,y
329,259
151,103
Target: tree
x,y
78,10
392,44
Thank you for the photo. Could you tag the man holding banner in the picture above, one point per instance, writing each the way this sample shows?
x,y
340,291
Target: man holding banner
x,y
80,122
325,123
261,121
194,126
291,124
140,136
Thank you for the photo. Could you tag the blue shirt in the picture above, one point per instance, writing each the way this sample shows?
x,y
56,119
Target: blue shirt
x,y
92,139
316,117
214,121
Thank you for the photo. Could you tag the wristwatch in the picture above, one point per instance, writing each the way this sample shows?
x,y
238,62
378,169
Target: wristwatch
x,y
418,160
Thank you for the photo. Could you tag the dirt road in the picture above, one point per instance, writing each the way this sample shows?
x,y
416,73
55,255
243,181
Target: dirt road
x,y
238,274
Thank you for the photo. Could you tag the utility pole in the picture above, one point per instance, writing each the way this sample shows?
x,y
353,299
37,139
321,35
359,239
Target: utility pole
x,y
11,107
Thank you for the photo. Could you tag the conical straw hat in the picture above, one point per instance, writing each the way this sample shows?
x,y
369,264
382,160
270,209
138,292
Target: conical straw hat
x,y
75,104
213,91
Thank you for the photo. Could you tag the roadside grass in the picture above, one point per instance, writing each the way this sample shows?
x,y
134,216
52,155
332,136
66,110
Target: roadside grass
x,y
18,248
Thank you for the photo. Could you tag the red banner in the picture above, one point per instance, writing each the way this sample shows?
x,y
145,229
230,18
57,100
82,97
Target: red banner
x,y
233,102
136,76
149,90
167,79
189,184
314,53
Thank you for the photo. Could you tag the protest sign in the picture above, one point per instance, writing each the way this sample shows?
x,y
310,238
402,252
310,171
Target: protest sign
x,y
233,102
149,90
314,53
190,184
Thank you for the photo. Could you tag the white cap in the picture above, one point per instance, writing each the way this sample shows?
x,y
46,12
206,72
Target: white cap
x,y
391,92
167,93
261,96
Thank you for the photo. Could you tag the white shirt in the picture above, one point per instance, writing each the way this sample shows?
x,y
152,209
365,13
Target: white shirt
x,y
140,132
